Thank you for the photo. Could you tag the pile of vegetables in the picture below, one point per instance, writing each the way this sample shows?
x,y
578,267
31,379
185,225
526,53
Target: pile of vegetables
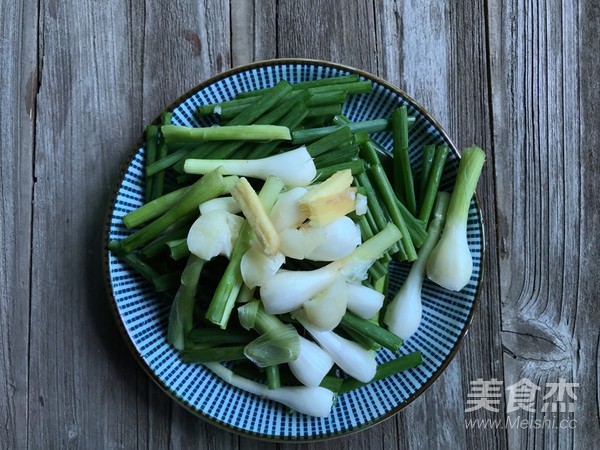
x,y
272,235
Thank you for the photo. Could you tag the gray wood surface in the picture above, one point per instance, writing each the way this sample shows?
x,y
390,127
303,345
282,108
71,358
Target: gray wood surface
x,y
79,79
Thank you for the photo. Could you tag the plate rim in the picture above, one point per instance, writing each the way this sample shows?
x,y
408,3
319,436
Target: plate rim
x,y
130,155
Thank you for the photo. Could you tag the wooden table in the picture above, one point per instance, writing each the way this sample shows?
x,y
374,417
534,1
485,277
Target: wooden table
x,y
79,79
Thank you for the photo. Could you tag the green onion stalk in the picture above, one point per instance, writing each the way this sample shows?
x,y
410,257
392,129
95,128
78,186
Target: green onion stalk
x,y
450,264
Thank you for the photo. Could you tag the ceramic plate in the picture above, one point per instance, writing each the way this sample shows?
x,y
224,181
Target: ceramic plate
x,y
143,317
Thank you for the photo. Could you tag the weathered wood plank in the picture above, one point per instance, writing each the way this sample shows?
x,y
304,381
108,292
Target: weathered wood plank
x,y
184,44
586,114
412,43
19,84
321,29
540,53
253,31
82,390
470,123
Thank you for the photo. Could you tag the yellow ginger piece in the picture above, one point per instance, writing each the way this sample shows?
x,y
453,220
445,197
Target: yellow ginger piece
x,y
258,218
331,199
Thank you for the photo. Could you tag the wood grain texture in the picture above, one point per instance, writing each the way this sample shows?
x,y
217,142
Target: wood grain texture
x,y
185,43
80,79
545,191
470,123
586,335
253,31
82,390
315,29
19,84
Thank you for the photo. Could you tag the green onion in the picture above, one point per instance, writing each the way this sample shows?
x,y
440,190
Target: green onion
x,y
273,378
332,383
166,162
357,87
372,331
377,271
416,227
230,109
377,213
450,264
312,134
133,260
435,176
224,297
335,139
264,104
212,337
314,401
386,193
159,178
166,282
282,336
278,113
403,314
288,290
178,249
404,185
246,117
340,155
345,79
364,341
153,209
385,370
426,162
324,111
292,120
350,356
213,354
209,186
176,133
294,167
182,309
355,167
389,198
327,98
278,345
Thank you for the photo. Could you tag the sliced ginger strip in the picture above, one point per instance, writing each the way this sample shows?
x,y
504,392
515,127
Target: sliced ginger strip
x,y
258,218
330,200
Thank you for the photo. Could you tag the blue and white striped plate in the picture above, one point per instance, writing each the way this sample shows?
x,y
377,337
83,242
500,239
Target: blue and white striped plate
x,y
143,317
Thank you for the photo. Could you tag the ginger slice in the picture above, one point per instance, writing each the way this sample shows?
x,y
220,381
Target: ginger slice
x,y
257,216
330,200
